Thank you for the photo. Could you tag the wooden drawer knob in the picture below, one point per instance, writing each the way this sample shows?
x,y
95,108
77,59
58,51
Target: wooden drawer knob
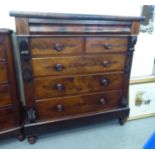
x,y
104,81
106,63
59,87
59,107
58,67
107,46
58,47
102,101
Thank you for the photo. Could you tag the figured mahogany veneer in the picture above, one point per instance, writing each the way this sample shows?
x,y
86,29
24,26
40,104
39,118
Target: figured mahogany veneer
x,y
74,66
77,64
64,86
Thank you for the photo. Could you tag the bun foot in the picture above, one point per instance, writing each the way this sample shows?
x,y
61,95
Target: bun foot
x,y
122,120
32,139
21,137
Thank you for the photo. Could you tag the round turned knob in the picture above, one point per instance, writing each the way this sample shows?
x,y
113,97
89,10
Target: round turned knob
x,y
59,87
58,67
102,101
106,63
59,107
58,47
107,46
104,81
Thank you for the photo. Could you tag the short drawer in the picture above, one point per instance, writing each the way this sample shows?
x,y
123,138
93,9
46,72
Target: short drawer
x,y
56,46
77,64
78,105
5,98
3,71
106,44
6,119
62,86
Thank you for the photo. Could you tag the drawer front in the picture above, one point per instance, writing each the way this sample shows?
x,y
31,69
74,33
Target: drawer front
x,y
1,47
101,45
3,71
5,98
1,52
78,105
6,119
78,64
53,87
56,46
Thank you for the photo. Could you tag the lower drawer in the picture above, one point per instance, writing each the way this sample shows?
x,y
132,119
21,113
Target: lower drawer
x,y
63,86
6,119
77,105
5,98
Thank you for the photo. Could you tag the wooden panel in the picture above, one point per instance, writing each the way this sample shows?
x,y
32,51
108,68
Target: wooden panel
x,y
135,27
56,46
72,106
3,71
6,119
46,29
1,46
5,98
52,87
106,44
22,25
77,64
2,56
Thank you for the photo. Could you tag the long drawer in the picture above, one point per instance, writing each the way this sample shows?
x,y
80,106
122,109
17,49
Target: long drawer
x,y
3,71
77,105
5,98
77,64
56,46
6,119
62,86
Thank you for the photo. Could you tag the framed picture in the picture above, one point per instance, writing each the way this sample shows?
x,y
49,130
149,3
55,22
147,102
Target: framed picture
x,y
142,99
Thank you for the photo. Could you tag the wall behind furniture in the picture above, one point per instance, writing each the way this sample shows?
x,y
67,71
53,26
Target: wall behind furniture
x,y
64,6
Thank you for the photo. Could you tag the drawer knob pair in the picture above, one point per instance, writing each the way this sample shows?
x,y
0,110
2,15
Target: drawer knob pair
x,y
58,47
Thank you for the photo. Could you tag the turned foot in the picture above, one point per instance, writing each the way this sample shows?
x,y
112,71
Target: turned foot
x,y
21,137
122,120
32,139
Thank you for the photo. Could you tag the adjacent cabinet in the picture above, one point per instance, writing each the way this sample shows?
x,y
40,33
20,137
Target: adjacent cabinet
x,y
10,108
76,70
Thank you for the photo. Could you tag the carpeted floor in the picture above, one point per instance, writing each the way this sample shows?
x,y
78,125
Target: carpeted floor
x,y
106,135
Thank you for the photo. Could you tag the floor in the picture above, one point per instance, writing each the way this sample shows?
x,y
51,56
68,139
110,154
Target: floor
x,y
106,135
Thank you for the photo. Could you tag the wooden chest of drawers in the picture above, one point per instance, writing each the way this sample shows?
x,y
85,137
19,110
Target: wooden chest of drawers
x,y
75,66
10,118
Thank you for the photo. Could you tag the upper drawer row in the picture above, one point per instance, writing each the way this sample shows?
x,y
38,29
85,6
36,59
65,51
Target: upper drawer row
x,y
76,45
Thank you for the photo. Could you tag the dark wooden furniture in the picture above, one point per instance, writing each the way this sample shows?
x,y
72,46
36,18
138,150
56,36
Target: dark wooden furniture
x,y
10,118
75,67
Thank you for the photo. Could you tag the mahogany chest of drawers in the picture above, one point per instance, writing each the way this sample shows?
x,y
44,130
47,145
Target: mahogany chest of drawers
x,y
10,118
74,66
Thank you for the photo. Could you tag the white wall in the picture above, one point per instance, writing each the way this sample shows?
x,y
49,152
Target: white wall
x,y
64,6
